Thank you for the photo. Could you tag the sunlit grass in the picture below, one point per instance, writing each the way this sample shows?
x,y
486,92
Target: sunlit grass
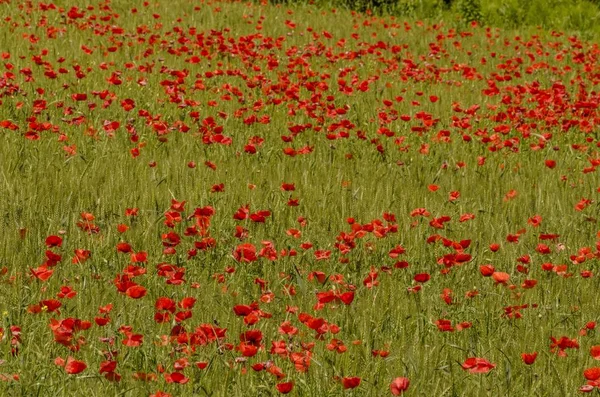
x,y
346,172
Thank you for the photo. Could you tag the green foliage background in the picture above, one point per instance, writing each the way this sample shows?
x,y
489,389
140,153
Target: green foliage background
x,y
578,16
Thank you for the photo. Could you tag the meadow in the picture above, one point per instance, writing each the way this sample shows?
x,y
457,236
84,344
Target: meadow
x,y
240,199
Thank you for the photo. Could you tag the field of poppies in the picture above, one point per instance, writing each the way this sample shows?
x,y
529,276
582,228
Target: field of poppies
x,y
238,199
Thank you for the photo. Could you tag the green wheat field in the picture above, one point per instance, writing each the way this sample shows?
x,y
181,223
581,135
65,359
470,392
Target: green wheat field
x,y
216,198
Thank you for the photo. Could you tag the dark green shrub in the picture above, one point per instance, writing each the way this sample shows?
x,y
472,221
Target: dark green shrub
x,y
373,5
470,10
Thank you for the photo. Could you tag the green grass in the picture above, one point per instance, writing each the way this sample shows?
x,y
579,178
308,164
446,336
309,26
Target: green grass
x,y
44,190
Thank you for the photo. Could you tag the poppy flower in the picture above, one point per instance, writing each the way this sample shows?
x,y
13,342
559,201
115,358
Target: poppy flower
x,y
529,358
351,383
136,291
66,292
444,325
487,270
245,253
595,352
550,163
133,340
74,367
176,377
53,241
160,394
202,364
562,344
453,196
476,365
285,388
107,366
301,361
422,277
399,386
187,303
592,373
42,273
346,297
500,277
511,194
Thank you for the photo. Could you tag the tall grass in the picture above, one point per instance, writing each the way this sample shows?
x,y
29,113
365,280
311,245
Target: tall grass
x,y
44,189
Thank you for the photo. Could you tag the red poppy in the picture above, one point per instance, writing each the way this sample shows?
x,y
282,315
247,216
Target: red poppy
x,y
242,213
285,388
81,255
133,340
187,303
53,241
136,291
301,360
160,394
176,377
73,366
42,273
453,196
202,364
592,373
66,292
346,297
245,253
422,277
562,344
529,358
351,383
444,325
500,277
487,270
107,366
595,352
476,365
399,386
